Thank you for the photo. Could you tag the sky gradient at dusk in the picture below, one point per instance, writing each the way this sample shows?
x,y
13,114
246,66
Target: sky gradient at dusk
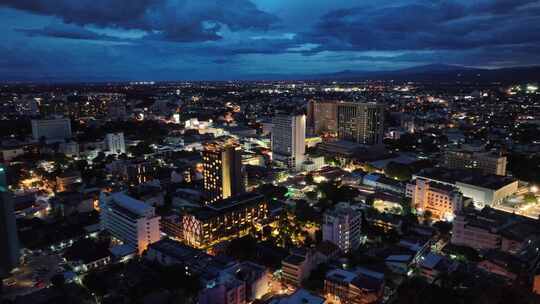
x,y
97,40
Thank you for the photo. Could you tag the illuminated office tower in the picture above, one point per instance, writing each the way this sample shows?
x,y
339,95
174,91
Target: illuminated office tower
x,y
322,116
361,122
289,139
223,176
9,243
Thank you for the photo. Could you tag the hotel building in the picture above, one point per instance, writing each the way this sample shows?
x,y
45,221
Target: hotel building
x,y
225,219
322,117
361,123
223,176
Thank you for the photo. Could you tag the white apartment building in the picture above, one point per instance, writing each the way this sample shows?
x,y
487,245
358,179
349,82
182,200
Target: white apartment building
x,y
289,139
115,143
342,226
130,220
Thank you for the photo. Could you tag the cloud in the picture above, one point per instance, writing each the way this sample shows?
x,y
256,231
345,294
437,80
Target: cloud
x,y
443,25
175,20
203,39
65,31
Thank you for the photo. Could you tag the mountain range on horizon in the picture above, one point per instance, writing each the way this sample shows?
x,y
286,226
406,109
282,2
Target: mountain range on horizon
x,y
425,73
433,73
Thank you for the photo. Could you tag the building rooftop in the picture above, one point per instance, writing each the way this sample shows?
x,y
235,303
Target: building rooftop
x,y
131,204
207,266
471,177
340,275
228,205
294,259
300,296
510,225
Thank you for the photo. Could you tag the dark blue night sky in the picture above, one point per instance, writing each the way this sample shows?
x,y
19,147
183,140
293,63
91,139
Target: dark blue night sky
x,y
99,40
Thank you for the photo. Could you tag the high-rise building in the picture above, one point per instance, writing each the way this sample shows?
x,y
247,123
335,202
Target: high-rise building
x,y
289,139
116,143
223,176
486,162
9,243
51,129
362,123
131,221
322,116
443,201
342,225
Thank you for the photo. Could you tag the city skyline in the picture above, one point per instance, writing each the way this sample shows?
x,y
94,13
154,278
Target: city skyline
x,y
270,151
203,40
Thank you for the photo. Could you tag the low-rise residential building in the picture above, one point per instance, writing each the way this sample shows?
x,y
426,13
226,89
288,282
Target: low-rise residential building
x,y
432,266
300,296
503,264
298,266
224,280
361,286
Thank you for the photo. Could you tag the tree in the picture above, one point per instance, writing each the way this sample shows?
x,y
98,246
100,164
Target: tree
x,y
270,191
304,212
525,167
242,248
312,195
141,149
530,198
443,227
58,281
428,216
398,171
99,158
95,284
309,179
